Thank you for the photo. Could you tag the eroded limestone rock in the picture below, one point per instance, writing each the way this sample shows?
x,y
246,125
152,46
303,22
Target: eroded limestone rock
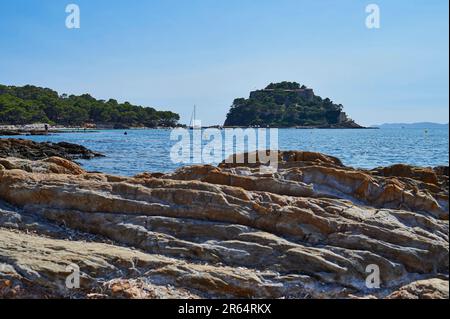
x,y
309,230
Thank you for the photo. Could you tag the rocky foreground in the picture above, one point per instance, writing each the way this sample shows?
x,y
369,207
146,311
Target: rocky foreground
x,y
310,230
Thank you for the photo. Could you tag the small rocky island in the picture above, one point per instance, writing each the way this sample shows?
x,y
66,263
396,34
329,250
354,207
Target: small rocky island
x,y
310,230
26,149
287,104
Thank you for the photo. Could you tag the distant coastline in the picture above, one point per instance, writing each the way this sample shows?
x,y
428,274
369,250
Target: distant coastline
x,y
39,129
310,127
32,104
421,125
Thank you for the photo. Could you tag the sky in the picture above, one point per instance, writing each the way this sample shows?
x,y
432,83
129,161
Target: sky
x,y
172,54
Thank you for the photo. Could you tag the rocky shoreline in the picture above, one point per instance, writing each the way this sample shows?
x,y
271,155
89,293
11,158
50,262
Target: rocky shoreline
x,y
27,149
51,131
309,230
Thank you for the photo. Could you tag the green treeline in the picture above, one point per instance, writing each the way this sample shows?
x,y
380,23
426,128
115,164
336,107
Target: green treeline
x,y
285,104
31,104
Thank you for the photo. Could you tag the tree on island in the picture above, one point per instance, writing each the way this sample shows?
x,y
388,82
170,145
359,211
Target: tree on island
x,y
284,85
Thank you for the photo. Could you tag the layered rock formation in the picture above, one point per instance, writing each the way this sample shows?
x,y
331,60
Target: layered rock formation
x,y
310,230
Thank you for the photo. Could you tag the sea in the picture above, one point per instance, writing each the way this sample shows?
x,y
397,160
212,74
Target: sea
x,y
152,150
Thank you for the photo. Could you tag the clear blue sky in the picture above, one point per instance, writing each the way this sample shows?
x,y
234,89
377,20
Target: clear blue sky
x,y
172,54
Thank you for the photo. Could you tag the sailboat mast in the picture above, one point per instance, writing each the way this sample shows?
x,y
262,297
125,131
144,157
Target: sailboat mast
x,y
195,114
192,123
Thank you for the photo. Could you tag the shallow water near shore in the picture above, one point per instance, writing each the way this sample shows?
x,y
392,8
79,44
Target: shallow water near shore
x,y
149,150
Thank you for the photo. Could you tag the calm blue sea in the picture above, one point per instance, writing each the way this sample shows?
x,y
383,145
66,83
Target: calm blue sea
x,y
149,150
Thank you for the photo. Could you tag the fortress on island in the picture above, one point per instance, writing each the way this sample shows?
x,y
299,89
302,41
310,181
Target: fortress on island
x,y
287,104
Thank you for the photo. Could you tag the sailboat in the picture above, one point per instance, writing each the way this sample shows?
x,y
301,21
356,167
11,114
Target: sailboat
x,y
195,124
